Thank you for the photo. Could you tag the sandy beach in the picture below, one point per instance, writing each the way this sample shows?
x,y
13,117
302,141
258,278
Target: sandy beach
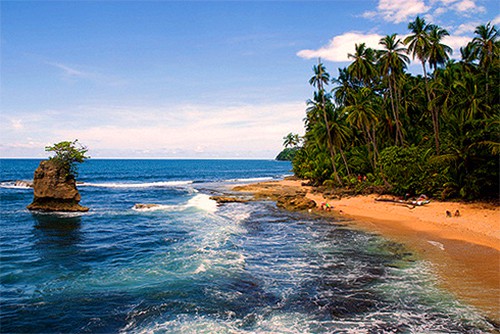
x,y
464,250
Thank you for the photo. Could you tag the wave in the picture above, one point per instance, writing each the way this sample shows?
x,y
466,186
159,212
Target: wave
x,y
160,184
436,244
252,179
24,185
200,201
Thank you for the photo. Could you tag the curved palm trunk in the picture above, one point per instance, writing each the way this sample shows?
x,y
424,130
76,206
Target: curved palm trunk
x,y
328,134
369,138
345,162
395,113
398,98
330,147
433,111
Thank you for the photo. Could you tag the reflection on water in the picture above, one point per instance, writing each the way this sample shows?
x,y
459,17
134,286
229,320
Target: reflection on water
x,y
57,238
57,230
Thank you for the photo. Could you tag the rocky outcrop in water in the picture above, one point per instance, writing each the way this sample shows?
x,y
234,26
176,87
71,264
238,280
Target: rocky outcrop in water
x,y
54,189
140,206
229,199
286,197
295,202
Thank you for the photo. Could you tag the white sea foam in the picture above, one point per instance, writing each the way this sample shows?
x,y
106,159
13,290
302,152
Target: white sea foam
x,y
201,268
12,185
158,207
62,214
252,179
199,201
160,184
238,214
203,202
436,244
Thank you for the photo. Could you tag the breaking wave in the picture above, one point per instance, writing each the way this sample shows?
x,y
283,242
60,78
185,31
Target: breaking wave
x,y
200,201
14,185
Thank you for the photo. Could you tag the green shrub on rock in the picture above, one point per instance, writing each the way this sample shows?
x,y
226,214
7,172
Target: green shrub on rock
x,y
67,153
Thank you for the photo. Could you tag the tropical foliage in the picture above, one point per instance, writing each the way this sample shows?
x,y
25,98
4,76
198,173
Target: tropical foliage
x,y
436,133
291,142
67,154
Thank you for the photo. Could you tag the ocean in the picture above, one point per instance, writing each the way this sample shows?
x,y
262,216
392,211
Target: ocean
x,y
190,266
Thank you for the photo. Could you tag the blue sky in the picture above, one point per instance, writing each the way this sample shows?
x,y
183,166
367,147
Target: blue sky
x,y
186,79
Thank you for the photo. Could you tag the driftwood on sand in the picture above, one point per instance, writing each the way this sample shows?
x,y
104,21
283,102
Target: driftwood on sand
x,y
411,203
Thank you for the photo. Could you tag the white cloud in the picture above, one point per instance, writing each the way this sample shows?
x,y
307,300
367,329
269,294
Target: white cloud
x,y
74,73
462,7
71,71
340,46
16,124
398,11
195,130
469,6
496,20
456,42
466,28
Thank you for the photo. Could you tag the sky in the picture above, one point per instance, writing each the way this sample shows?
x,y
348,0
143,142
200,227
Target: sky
x,y
192,79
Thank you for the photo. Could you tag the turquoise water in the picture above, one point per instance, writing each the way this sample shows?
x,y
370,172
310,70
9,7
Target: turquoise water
x,y
190,266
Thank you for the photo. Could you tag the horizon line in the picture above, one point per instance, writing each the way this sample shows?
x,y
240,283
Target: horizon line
x,y
148,158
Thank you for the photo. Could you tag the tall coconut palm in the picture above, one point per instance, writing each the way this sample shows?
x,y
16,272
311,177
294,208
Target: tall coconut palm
x,y
418,44
487,47
363,115
341,132
469,57
486,42
344,87
321,78
438,55
363,66
438,52
392,62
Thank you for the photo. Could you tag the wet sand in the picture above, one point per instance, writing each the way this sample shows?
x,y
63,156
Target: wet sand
x,y
464,250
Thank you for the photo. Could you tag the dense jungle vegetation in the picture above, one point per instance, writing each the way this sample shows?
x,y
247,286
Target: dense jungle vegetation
x,y
380,126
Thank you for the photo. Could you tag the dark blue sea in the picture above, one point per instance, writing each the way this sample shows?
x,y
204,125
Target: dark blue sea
x,y
190,266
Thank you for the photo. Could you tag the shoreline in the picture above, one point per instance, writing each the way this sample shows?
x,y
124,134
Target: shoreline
x,y
463,250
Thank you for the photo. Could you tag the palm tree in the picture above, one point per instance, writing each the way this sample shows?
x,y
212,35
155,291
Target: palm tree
x,y
362,114
392,63
487,48
419,44
469,57
291,140
487,44
438,53
344,88
362,68
320,78
341,132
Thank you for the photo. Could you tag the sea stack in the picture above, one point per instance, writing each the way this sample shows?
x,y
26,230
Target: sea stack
x,y
55,189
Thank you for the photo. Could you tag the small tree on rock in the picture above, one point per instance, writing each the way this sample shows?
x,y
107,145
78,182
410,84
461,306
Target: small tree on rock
x,y
67,154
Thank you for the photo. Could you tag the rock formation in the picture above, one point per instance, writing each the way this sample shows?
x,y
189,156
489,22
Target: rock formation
x,y
140,206
229,199
297,202
54,189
